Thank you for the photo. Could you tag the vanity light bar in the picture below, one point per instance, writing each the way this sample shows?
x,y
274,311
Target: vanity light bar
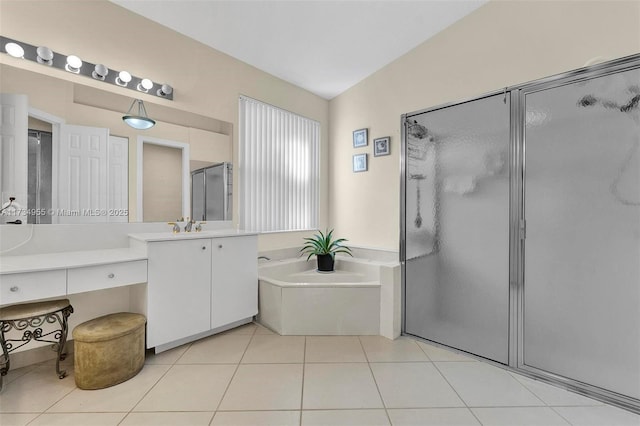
x,y
72,63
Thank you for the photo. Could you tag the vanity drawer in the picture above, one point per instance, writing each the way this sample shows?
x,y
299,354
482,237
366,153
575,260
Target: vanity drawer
x,y
28,286
106,276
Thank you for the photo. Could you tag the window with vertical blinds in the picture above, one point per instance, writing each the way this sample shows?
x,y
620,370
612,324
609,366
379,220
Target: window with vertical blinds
x,y
279,168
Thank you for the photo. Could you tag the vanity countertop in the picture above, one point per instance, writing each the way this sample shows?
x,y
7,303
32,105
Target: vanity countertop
x,y
70,259
170,236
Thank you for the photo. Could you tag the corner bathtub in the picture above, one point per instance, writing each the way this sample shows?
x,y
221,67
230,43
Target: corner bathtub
x,y
295,299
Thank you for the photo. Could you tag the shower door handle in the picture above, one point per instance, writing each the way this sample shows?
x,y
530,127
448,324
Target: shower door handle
x,y
523,229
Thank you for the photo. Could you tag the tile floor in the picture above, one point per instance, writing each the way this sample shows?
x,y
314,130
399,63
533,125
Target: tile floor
x,y
250,376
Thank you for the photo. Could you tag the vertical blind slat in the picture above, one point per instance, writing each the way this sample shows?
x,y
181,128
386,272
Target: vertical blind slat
x,y
279,168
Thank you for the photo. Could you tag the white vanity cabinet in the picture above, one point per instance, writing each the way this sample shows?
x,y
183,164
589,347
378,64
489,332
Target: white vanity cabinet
x,y
178,290
199,284
32,277
234,279
25,287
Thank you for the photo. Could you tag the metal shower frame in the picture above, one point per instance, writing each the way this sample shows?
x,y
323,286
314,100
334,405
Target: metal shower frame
x,y
517,222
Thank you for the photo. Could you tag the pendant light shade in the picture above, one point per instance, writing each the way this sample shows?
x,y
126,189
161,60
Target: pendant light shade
x,y
139,121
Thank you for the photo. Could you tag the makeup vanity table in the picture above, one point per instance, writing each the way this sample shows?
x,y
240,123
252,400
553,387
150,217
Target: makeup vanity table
x,y
197,284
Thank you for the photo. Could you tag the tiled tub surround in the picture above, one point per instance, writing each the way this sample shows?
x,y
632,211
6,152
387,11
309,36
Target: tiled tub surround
x,y
251,376
361,297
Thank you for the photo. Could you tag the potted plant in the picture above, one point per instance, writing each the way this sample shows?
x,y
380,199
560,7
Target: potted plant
x,y
325,248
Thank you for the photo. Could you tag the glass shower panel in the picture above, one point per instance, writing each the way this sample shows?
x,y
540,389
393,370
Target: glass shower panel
x,y
582,254
457,226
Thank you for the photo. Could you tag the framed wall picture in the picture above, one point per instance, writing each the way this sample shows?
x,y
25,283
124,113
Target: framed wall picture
x,y
381,146
360,163
360,138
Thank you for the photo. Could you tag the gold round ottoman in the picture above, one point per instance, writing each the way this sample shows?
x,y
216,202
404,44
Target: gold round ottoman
x,y
108,350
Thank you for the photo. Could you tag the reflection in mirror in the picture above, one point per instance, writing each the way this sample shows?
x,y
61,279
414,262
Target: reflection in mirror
x,y
164,181
74,160
39,175
211,192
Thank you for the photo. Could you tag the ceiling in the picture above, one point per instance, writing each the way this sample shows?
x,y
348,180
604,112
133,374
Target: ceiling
x,y
324,46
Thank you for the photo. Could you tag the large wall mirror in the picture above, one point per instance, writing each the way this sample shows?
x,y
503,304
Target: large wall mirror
x,y
67,156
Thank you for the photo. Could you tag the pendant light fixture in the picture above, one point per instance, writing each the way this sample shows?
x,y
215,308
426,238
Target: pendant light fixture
x,y
139,121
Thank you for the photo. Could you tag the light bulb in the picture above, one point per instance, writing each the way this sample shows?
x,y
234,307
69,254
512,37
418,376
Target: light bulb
x,y
100,71
14,49
73,64
145,85
45,55
123,78
165,90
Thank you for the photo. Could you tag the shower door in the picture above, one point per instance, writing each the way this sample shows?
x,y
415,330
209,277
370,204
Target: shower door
x,y
581,281
456,226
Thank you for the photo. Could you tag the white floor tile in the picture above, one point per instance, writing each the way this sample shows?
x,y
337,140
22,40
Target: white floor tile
x,y
312,380
219,349
381,349
168,419
519,416
78,419
249,329
483,385
432,417
188,388
18,419
264,387
275,349
413,385
256,418
336,386
553,395
334,349
260,329
18,372
167,357
598,416
35,391
344,418
436,353
119,398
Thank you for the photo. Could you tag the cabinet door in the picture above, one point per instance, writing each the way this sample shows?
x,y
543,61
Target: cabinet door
x,y
234,289
179,290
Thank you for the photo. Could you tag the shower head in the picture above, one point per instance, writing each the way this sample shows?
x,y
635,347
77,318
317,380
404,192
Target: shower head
x,y
416,130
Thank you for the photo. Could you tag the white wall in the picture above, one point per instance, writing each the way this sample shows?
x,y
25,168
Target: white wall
x,y
206,81
500,44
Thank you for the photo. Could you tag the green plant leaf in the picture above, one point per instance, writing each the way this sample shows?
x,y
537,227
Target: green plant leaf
x,y
324,243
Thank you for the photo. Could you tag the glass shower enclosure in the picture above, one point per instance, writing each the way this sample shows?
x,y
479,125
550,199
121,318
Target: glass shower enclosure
x,y
520,233
457,226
